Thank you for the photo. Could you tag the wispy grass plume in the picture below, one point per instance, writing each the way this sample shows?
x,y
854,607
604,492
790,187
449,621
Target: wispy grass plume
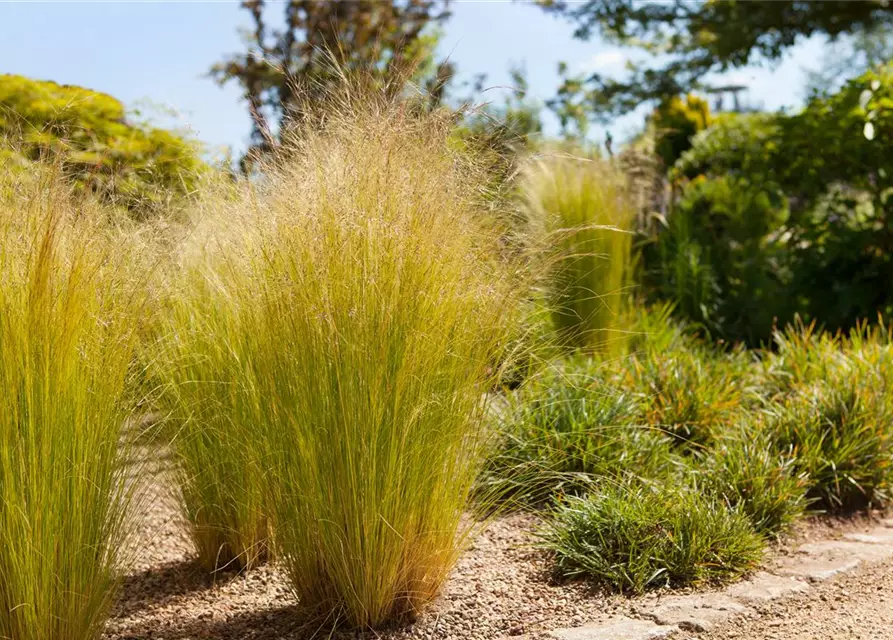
x,y
67,336
581,210
355,300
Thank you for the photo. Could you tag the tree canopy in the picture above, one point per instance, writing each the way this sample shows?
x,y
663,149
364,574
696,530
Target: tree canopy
x,y
132,165
317,42
689,41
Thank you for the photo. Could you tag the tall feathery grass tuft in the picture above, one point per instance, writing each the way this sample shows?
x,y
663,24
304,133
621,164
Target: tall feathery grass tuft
x,y
198,361
67,335
581,209
353,303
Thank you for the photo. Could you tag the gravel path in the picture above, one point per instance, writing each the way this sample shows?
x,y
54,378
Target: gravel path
x,y
858,606
500,589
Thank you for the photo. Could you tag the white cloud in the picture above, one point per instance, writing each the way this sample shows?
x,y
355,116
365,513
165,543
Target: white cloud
x,y
603,62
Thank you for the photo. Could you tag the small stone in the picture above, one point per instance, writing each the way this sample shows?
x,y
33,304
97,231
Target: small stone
x,y
696,612
616,629
847,549
876,536
764,587
817,569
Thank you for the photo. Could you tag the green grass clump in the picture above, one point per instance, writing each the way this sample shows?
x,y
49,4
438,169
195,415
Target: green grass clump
x,y
67,336
565,430
637,536
383,278
581,209
688,391
355,302
829,405
744,470
840,431
802,355
199,362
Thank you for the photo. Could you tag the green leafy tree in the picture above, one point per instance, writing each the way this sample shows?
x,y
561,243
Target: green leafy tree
x,y
850,56
320,41
676,121
136,166
785,214
691,40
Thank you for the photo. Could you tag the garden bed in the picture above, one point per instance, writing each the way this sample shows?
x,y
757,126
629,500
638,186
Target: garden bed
x,y
501,587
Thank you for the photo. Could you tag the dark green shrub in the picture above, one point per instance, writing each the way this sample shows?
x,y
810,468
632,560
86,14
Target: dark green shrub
x,y
714,257
783,215
638,536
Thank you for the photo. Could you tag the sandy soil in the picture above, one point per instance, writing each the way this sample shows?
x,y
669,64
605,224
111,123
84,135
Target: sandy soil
x,y
855,607
500,588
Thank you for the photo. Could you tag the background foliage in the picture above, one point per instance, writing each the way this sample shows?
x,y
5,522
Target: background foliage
x,y
138,167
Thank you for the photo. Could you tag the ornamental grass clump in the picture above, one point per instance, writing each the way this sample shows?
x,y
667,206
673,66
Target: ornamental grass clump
x,y
382,304
355,300
840,432
689,390
199,362
567,429
744,470
581,209
67,335
832,411
638,536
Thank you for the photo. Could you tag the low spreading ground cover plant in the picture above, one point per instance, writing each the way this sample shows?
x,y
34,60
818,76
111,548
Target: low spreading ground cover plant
x,y
583,418
68,320
832,411
746,471
762,439
689,392
567,428
839,432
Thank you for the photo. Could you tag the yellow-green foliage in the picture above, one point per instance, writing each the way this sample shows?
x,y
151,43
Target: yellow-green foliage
x,y
676,121
133,166
67,318
357,301
197,359
580,210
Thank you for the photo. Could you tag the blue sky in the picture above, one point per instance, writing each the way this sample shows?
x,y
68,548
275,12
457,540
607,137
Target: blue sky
x,y
158,53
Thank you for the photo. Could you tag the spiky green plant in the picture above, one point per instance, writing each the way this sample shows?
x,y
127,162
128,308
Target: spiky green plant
x,y
580,209
635,536
829,404
840,432
364,301
566,430
689,391
67,333
748,473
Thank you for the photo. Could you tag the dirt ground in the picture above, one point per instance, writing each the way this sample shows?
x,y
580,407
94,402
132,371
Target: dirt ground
x,y
855,607
501,588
